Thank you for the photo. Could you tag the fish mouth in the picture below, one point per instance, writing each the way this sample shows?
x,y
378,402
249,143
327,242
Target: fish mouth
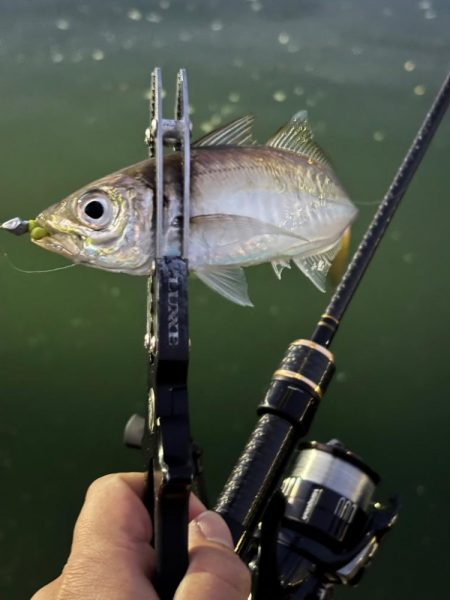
x,y
60,243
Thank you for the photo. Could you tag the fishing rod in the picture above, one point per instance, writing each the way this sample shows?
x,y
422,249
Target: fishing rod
x,y
252,502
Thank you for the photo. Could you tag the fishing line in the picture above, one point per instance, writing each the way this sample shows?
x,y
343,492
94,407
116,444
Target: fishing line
x,y
368,203
27,272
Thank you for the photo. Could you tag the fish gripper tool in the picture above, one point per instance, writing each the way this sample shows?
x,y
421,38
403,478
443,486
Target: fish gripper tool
x,y
165,433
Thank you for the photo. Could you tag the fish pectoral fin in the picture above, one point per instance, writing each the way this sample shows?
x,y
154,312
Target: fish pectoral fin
x,y
236,133
279,266
243,226
229,282
297,136
316,267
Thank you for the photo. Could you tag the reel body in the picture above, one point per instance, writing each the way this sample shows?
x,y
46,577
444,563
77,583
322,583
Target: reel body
x,y
323,525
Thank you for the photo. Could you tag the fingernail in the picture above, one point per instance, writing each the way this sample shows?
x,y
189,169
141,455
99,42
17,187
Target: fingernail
x,y
214,528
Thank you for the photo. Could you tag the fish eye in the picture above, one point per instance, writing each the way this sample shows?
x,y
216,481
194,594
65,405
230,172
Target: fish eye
x,y
95,209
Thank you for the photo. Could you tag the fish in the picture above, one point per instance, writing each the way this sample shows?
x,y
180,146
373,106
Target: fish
x,y
277,203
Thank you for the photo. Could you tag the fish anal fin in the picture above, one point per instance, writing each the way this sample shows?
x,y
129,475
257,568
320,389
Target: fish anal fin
x,y
228,281
236,133
316,266
297,136
279,266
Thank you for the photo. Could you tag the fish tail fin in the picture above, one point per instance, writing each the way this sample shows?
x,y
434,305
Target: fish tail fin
x,y
339,264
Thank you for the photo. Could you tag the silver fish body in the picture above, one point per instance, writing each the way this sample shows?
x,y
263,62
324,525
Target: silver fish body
x,y
249,205
257,204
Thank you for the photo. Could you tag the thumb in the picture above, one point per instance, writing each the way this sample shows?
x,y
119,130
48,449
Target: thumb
x,y
214,571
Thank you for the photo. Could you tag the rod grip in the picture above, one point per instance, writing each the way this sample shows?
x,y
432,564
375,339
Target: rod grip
x,y
254,476
285,416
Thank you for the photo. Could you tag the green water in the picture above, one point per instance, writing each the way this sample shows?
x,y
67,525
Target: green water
x,y
72,366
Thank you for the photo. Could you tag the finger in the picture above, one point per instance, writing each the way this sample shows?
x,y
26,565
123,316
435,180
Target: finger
x,y
114,500
196,507
214,571
111,557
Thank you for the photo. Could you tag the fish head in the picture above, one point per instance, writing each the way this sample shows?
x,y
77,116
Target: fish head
x,y
106,225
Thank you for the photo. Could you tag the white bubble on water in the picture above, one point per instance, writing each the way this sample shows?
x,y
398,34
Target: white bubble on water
x,y
226,110
409,66
206,127
98,54
216,25
256,6
134,14
153,17
357,50
234,97
279,96
298,90
164,4
56,56
420,90
284,38
430,14
378,136
62,24
215,120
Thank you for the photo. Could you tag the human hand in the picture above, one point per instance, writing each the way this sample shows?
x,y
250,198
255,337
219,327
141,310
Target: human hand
x,y
111,557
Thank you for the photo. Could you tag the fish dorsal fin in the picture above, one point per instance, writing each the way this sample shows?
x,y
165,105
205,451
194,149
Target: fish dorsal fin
x,y
236,133
228,281
279,265
316,267
297,136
